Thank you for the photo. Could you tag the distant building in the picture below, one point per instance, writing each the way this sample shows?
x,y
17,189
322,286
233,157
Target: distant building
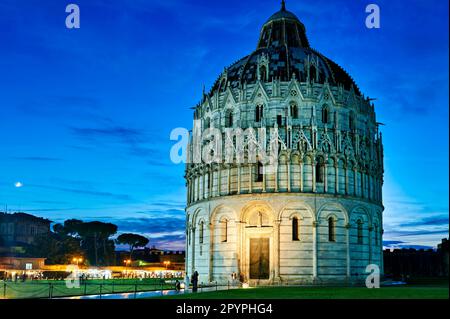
x,y
412,263
21,263
20,229
152,256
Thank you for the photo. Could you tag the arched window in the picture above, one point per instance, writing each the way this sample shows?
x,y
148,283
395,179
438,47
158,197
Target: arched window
x,y
259,172
263,73
207,123
331,229
294,111
351,121
209,180
295,236
320,171
312,73
224,235
258,113
279,120
200,233
376,234
229,119
360,231
303,145
325,115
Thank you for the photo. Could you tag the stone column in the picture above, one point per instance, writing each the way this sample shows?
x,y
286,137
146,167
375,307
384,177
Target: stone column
x,y
219,180
187,254
188,199
314,229
347,232
211,183
264,179
301,177
362,184
325,186
375,187
276,178
240,248
313,176
288,168
336,182
276,255
229,180
250,180
370,244
198,187
346,181
211,252
203,194
193,250
355,182
239,178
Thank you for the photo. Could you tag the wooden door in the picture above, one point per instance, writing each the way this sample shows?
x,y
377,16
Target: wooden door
x,y
259,258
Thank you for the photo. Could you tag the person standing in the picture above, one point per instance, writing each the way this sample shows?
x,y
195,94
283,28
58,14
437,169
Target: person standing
x,y
194,281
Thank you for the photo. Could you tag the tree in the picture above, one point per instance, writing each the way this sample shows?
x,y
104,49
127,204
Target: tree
x,y
106,230
56,248
94,235
72,226
133,240
77,238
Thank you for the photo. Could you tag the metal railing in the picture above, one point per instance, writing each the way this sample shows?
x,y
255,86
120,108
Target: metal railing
x,y
56,289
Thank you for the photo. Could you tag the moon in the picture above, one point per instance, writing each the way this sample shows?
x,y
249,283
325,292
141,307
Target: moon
x,y
18,184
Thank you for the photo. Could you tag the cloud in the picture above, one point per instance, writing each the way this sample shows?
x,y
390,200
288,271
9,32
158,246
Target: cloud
x,y
118,133
134,140
392,242
418,232
84,107
397,244
122,197
164,228
37,159
428,221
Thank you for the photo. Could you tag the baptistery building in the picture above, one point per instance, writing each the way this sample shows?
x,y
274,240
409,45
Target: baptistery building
x,y
316,215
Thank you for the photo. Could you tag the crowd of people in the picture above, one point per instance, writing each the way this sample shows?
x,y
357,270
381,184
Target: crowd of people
x,y
89,274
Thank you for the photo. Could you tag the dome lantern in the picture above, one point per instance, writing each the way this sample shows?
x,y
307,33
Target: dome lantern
x,y
283,28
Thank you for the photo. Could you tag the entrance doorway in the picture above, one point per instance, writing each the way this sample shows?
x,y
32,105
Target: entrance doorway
x,y
259,258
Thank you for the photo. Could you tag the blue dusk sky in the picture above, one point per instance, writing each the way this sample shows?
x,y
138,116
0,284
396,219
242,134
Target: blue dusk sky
x,y
86,114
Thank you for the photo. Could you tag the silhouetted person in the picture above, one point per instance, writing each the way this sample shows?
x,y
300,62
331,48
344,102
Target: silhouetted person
x,y
194,281
177,286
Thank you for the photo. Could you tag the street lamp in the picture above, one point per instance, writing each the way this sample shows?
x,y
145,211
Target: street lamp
x,y
77,260
167,263
127,262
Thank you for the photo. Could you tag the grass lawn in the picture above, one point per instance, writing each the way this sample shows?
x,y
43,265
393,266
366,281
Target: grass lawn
x,y
403,292
58,288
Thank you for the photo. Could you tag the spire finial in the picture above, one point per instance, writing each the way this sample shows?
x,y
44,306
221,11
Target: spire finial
x,y
283,5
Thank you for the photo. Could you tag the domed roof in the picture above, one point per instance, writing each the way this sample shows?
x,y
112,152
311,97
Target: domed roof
x,y
284,49
283,14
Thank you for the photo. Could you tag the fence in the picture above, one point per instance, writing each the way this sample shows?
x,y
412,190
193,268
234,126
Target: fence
x,y
58,288
40,289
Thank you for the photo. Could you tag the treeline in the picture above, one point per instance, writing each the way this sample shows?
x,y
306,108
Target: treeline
x,y
92,241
